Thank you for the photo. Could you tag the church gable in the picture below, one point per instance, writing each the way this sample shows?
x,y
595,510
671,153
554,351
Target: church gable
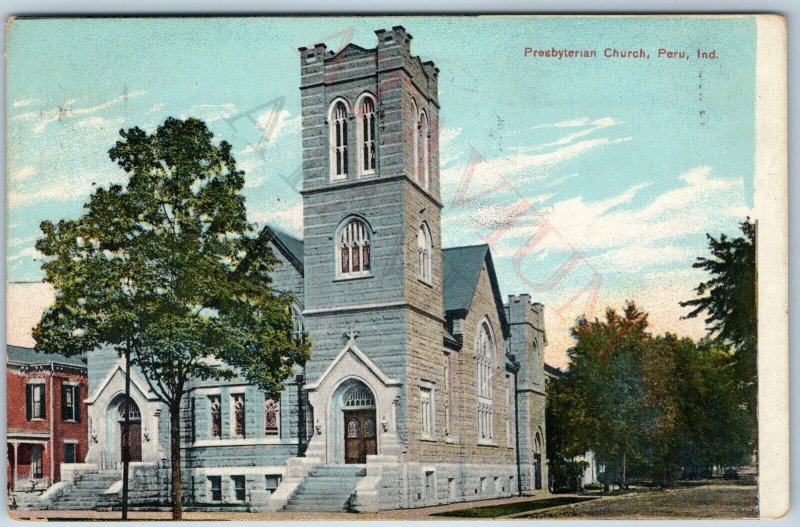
x,y
462,268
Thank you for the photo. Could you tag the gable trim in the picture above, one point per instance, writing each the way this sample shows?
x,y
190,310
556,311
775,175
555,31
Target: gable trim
x,y
350,347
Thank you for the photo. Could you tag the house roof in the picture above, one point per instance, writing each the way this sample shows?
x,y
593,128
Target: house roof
x,y
288,245
21,355
461,268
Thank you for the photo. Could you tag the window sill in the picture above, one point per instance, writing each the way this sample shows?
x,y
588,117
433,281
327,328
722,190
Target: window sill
x,y
428,439
69,420
424,282
487,442
451,440
36,420
365,175
353,277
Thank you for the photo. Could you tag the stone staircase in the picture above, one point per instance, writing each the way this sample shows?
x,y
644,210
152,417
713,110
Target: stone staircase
x,y
88,491
327,488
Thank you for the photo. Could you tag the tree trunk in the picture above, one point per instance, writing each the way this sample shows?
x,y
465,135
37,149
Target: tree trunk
x,y
175,457
623,482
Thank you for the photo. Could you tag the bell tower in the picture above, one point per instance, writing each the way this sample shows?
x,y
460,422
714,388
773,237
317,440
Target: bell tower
x,y
372,211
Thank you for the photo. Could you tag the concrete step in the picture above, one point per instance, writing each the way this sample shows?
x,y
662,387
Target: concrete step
x,y
327,489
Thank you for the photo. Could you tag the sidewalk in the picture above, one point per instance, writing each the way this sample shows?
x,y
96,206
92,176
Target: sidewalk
x,y
423,513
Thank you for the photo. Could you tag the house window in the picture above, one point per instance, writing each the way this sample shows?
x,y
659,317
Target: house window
x,y
353,249
484,365
423,151
216,416
272,482
366,135
34,401
70,402
272,416
215,488
237,412
426,400
238,488
338,138
424,253
70,453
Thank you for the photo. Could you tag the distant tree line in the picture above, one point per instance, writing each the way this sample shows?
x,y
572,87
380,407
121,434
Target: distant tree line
x,y
661,407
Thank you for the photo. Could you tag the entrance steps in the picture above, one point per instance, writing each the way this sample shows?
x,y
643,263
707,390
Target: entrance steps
x,y
88,492
327,488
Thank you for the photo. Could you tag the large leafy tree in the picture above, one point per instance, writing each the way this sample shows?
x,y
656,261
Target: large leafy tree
x,y
167,270
727,300
602,394
650,406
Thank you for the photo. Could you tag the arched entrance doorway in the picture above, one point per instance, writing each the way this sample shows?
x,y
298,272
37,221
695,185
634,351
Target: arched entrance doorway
x,y
131,442
360,427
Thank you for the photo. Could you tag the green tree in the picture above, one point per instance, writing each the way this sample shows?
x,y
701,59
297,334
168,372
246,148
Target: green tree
x,y
728,302
167,269
604,390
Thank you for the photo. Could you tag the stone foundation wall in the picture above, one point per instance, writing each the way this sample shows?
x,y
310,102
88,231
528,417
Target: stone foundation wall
x,y
390,486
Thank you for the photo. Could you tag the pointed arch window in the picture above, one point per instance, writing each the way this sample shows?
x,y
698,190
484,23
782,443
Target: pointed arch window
x,y
423,150
353,250
272,416
366,135
484,366
415,141
424,250
298,328
338,140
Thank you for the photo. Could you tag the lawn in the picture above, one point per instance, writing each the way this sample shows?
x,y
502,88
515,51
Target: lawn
x,y
494,511
712,501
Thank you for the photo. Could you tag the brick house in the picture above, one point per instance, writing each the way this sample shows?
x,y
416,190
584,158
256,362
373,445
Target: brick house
x,y
46,416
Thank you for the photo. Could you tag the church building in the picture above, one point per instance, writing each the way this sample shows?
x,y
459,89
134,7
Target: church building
x,y
425,385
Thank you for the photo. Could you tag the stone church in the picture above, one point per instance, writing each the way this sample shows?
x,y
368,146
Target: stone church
x,y
425,386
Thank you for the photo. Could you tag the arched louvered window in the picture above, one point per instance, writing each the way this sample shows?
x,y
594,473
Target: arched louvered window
x,y
424,250
338,140
415,141
423,151
366,135
353,250
484,366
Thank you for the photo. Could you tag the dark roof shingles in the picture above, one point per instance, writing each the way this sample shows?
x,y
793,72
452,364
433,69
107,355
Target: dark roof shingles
x,y
24,355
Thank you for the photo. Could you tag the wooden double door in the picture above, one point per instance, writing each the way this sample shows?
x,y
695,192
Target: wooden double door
x,y
360,435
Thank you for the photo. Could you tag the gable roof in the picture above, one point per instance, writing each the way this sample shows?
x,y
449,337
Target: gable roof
x,y
461,268
292,248
22,355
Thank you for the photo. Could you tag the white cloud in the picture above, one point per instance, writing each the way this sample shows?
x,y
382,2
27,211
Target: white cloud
x,y
207,112
288,218
28,252
23,173
43,118
67,188
100,122
500,171
272,126
19,103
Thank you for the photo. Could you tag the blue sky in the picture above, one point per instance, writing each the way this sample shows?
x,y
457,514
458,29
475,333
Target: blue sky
x,y
592,177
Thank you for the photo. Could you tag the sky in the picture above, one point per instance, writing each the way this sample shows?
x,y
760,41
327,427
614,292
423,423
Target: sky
x,y
594,180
